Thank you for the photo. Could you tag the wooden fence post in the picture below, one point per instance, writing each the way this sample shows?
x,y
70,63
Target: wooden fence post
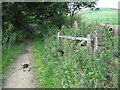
x,y
98,34
89,44
58,35
95,43
97,40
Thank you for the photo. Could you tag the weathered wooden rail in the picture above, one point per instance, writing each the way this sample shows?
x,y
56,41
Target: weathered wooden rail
x,y
74,38
92,40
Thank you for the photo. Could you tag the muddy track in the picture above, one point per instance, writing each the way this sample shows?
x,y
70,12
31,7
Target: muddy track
x,y
21,73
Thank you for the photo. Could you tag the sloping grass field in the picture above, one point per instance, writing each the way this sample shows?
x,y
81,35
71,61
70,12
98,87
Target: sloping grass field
x,y
104,15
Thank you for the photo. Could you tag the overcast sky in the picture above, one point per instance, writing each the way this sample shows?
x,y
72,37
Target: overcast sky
x,y
108,3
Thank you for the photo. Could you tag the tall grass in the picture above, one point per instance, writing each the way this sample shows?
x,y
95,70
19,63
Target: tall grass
x,y
38,46
76,68
12,46
9,55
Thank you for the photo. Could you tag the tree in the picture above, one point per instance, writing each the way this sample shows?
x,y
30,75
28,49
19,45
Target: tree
x,y
43,11
20,15
15,14
75,7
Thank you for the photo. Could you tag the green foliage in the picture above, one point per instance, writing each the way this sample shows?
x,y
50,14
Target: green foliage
x,y
38,46
21,19
59,63
9,55
77,68
58,20
10,38
18,17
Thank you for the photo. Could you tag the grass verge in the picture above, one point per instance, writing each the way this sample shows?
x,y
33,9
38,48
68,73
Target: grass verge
x,y
9,55
44,72
38,51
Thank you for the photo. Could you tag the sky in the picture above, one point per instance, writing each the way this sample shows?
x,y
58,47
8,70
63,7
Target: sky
x,y
108,4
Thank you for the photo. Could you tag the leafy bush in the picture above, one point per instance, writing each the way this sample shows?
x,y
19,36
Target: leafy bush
x,y
68,65
12,45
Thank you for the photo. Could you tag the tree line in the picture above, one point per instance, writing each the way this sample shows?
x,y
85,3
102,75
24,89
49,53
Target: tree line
x,y
21,17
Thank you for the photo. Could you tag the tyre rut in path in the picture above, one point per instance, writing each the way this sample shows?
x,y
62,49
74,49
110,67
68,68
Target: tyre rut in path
x,y
21,74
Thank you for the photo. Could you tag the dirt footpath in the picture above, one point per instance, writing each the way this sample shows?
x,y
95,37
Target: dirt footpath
x,y
21,73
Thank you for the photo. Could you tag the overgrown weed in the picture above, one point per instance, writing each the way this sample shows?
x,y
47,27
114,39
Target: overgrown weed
x,y
71,66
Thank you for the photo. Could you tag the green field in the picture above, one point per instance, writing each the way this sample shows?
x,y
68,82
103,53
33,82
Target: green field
x,y
104,15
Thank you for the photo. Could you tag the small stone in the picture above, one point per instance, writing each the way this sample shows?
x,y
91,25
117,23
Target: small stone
x,y
25,66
